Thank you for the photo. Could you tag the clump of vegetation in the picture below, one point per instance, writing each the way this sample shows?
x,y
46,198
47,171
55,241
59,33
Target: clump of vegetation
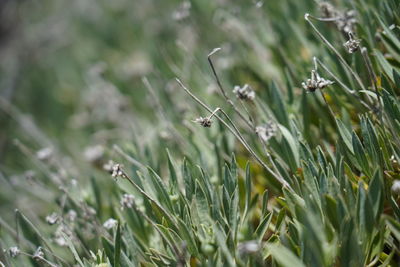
x,y
169,157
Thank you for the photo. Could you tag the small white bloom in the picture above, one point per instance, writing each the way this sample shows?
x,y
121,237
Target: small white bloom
x,y
39,254
244,93
14,252
52,218
110,223
396,187
316,82
266,131
44,153
127,201
249,247
71,215
58,236
345,21
117,170
109,166
352,45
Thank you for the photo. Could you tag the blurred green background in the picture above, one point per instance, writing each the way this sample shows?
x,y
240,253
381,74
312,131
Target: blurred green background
x,y
72,71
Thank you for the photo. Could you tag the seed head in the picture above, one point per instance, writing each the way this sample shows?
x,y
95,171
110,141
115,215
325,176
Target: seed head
x,y
352,45
108,167
244,93
60,233
117,171
52,218
14,252
315,82
127,201
344,21
110,223
266,131
44,153
39,254
71,215
205,122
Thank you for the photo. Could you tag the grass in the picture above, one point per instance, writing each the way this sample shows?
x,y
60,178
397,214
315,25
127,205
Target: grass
x,y
124,144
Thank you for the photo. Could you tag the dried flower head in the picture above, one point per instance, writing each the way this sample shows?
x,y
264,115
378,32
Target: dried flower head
x,y
347,21
59,237
327,10
117,171
108,167
61,232
39,254
71,215
14,252
315,82
205,122
52,218
127,201
344,21
352,45
110,223
266,131
244,93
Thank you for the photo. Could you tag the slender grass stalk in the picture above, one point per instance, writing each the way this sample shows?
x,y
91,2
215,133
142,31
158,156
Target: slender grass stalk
x,y
131,160
327,105
228,100
40,259
372,76
162,114
351,92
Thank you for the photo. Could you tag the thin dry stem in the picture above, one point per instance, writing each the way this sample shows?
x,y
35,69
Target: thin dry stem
x,y
327,104
351,92
372,75
222,89
127,157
